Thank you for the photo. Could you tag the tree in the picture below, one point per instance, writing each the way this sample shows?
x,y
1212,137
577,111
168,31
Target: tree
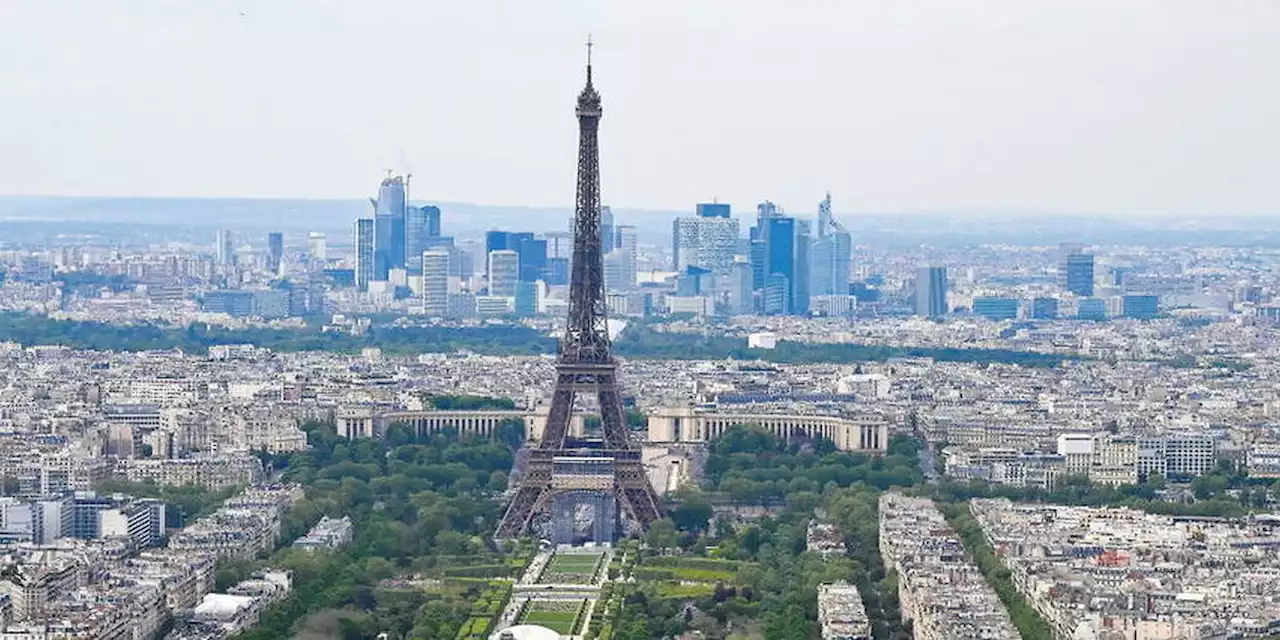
x,y
662,534
498,481
692,515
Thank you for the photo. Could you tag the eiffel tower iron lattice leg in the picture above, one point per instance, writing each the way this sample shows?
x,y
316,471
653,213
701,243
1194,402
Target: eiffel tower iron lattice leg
x,y
585,365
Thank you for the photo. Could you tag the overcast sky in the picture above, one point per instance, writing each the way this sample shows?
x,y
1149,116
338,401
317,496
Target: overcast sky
x,y
1161,107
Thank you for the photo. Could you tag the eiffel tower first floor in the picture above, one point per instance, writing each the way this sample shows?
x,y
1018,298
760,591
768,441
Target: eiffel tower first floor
x,y
581,495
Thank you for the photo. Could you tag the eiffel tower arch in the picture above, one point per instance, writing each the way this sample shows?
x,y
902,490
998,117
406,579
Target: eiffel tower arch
x,y
557,466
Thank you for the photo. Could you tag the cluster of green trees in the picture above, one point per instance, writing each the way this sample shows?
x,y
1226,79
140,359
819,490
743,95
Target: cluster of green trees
x,y
639,341
32,329
414,500
753,466
471,403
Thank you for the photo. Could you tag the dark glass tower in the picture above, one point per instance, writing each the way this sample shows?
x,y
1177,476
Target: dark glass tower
x,y
275,251
1075,270
364,232
780,254
389,227
931,292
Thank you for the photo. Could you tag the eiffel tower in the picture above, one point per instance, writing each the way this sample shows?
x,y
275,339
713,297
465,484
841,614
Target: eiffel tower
x,y
558,468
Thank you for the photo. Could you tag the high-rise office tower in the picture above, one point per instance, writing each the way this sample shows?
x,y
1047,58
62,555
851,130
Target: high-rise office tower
x,y
758,244
780,255
831,252
612,269
684,243
559,248
495,241
557,271
766,210
1075,270
275,251
800,270
514,241
758,259
526,302
318,246
415,238
777,295
389,227
738,290
628,250
435,282
931,292
533,259
364,241
504,272
608,237
708,240
225,247
433,220
825,219
559,244
421,232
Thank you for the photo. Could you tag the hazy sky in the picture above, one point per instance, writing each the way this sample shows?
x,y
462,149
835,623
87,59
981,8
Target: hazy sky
x,y
1099,106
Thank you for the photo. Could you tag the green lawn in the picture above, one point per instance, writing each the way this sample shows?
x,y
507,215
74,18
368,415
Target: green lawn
x,y
691,569
580,562
572,568
559,616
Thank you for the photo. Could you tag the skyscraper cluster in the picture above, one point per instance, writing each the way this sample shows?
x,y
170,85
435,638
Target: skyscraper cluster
x,y
389,246
788,267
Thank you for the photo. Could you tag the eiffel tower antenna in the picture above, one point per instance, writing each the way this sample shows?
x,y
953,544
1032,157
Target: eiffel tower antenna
x,y
562,473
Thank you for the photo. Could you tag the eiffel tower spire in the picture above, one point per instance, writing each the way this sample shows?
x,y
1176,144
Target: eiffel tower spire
x,y
585,363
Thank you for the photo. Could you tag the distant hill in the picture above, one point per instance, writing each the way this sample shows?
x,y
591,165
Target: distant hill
x,y
50,217
462,219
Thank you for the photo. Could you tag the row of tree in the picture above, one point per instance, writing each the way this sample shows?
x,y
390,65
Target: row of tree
x,y
639,341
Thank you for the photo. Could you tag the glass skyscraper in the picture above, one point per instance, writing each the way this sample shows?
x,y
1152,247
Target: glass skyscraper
x,y
363,241
1075,270
533,259
421,226
832,252
275,251
800,270
931,292
226,249
389,227
780,254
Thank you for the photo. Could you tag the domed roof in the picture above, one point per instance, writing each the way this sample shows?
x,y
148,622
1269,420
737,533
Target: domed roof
x,y
526,632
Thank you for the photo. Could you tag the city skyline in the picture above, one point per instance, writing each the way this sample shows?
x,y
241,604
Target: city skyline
x,y
469,423
1137,121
